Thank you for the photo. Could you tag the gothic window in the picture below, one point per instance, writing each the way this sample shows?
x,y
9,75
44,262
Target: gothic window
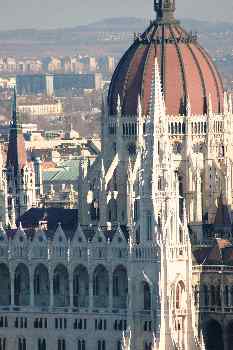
x,y
42,286
172,128
41,344
226,296
61,344
149,226
120,287
138,235
132,149
119,347
2,343
100,286
179,128
22,344
146,296
180,235
147,346
115,286
61,286
232,296
136,210
206,295
183,128
180,289
81,344
81,286
5,291
212,295
22,288
218,296
101,345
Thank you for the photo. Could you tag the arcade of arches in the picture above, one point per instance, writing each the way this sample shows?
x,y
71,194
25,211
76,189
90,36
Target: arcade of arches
x,y
61,288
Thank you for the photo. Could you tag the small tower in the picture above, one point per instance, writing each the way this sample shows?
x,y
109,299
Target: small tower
x,y
20,173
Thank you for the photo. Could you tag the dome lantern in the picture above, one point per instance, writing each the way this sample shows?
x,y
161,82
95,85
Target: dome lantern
x,y
165,10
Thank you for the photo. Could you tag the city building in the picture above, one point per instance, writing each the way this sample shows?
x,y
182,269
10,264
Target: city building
x,y
56,84
42,106
145,261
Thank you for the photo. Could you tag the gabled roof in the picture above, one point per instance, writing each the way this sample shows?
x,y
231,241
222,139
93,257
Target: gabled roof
x,y
67,218
219,253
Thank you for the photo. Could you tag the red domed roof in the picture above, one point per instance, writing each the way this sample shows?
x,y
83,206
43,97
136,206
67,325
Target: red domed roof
x,y
186,70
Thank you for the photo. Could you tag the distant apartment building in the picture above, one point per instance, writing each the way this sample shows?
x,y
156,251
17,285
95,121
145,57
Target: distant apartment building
x,y
29,66
55,84
7,82
40,106
89,81
36,84
106,65
55,65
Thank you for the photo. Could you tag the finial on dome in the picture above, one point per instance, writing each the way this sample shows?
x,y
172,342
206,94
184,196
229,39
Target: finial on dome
x,y
165,10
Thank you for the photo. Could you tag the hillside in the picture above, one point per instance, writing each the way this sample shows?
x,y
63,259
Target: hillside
x,y
110,36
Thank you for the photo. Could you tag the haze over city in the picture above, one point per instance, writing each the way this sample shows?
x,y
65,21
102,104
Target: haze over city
x,y
53,13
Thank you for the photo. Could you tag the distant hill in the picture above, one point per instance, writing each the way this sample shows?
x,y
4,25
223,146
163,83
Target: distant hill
x,y
109,36
122,24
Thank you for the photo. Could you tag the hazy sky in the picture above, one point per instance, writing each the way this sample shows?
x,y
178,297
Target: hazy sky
x,y
69,13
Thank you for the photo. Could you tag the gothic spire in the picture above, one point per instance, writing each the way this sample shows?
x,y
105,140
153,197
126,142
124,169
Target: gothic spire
x,y
16,155
14,111
165,10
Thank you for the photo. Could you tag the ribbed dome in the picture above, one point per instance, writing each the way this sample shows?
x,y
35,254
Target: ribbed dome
x,y
186,70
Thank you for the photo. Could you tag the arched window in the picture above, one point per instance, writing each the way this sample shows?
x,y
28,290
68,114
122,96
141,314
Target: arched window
x,y
61,286
180,291
5,290
183,128
212,295
81,344
179,128
81,286
172,128
3,344
101,345
218,296
149,225
231,296
226,296
22,344
61,344
100,286
206,295
22,285
146,296
41,286
147,346
120,287
41,344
